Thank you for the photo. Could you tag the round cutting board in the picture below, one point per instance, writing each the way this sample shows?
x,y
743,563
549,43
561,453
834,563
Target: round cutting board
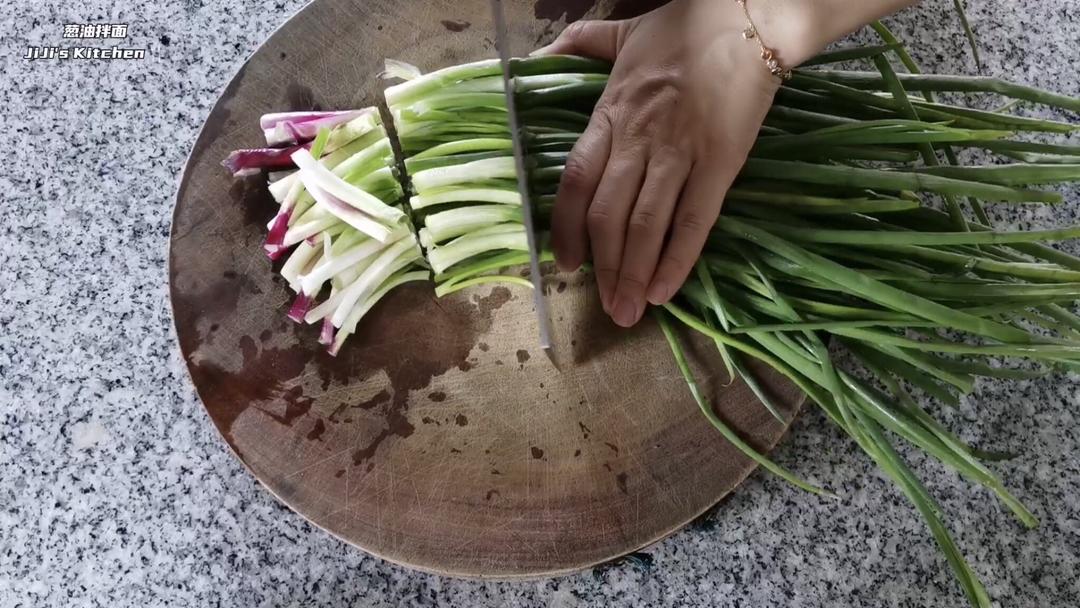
x,y
440,437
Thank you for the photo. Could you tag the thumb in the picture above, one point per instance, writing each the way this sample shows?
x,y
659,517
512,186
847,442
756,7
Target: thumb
x,y
596,39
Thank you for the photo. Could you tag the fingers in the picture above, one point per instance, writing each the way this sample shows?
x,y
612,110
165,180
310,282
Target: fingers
x,y
596,39
580,179
695,215
607,218
645,232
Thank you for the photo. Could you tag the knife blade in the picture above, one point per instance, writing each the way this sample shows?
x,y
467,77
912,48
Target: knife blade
x,y
543,317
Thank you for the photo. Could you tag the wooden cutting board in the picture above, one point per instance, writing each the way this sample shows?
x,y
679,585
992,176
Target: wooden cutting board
x,y
440,437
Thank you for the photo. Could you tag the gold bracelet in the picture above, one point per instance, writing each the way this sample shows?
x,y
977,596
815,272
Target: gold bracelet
x,y
767,54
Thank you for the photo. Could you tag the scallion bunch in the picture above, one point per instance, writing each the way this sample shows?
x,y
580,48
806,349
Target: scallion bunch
x,y
453,129
852,226
340,215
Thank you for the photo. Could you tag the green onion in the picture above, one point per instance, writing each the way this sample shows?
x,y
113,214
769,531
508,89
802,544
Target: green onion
x,y
844,229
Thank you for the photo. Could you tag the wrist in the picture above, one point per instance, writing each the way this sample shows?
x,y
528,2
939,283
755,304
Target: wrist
x,y
799,29
792,29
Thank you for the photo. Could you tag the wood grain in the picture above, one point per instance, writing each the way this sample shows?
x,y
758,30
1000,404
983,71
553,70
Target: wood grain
x,y
439,438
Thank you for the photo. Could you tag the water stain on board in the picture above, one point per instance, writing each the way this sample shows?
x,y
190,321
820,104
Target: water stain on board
x,y
628,9
455,25
368,404
536,452
461,420
620,480
492,302
437,396
522,356
296,404
261,379
254,200
267,375
450,331
299,97
554,10
317,430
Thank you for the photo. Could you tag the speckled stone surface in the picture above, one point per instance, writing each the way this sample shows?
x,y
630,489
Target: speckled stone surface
x,y
116,491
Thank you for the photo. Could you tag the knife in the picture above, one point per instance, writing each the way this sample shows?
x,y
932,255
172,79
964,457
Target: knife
x,y
502,43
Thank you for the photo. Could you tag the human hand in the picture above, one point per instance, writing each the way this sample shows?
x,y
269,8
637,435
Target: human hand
x,y
644,184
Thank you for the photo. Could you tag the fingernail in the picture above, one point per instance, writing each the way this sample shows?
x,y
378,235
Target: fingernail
x,y
659,293
567,264
540,50
626,312
605,300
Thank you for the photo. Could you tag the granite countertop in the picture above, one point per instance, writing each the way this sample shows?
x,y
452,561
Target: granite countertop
x,y
115,490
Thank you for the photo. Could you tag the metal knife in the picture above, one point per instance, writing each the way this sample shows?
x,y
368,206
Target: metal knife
x,y
502,43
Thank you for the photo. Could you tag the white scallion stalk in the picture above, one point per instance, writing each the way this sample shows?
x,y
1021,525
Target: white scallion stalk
x,y
426,240
345,278
280,188
297,261
416,88
377,177
400,69
544,81
340,282
465,195
276,176
496,101
315,175
348,239
502,236
303,215
379,180
488,168
291,128
349,214
289,189
288,206
476,144
364,161
488,84
310,258
331,266
405,248
306,230
328,245
446,225
352,130
402,263
358,313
